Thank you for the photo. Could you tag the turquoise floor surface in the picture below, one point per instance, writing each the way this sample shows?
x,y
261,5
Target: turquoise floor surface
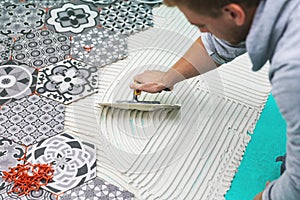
x,y
258,164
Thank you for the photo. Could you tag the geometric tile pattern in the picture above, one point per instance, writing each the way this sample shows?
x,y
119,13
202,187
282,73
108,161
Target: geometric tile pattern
x,y
41,48
97,189
47,3
73,162
5,48
33,195
126,17
99,47
16,81
72,18
150,2
100,3
67,81
9,153
30,120
18,19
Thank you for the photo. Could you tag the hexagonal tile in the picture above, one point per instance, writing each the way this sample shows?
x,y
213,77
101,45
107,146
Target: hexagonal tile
x,y
126,17
16,81
19,19
9,154
67,81
6,44
31,120
74,162
99,47
72,18
41,48
40,194
97,189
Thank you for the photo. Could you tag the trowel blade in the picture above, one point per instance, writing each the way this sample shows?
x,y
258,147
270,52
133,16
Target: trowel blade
x,y
142,106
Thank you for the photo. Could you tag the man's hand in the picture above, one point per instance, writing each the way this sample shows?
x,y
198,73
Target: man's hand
x,y
259,196
151,81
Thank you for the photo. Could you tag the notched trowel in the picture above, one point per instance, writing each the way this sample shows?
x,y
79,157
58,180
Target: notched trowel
x,y
135,104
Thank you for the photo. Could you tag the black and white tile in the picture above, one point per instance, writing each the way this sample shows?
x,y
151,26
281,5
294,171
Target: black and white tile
x,y
74,162
72,19
100,3
16,81
6,44
41,48
47,3
67,81
99,47
9,154
126,17
19,19
33,195
97,189
31,120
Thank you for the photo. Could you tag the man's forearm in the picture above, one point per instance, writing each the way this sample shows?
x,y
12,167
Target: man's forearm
x,y
195,61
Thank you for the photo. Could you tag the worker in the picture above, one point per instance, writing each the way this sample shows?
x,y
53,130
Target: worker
x,y
269,31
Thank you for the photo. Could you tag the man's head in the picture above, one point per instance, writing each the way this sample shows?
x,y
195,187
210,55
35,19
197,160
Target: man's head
x,y
229,20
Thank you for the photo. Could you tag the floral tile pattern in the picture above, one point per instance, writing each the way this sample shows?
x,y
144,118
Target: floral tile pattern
x,y
126,17
72,18
100,3
33,195
18,19
9,153
5,48
16,81
31,120
67,81
99,47
74,162
41,48
97,189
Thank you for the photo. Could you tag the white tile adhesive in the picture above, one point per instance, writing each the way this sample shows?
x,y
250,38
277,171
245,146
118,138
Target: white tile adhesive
x,y
189,153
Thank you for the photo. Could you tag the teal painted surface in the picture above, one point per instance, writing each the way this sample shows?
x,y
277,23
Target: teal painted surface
x,y
258,165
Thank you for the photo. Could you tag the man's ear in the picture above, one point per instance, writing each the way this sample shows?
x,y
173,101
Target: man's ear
x,y
236,13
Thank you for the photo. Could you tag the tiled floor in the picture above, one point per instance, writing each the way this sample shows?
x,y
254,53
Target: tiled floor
x,y
50,52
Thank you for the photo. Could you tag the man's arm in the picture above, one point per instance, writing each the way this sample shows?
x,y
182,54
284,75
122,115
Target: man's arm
x,y
195,61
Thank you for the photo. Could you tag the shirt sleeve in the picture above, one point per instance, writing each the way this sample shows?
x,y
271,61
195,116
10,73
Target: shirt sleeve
x,y
221,51
285,79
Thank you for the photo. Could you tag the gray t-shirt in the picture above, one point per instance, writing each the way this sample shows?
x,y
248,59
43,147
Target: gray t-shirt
x,y
274,36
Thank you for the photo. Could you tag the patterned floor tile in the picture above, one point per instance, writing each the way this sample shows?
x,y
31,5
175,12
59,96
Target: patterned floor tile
x,y
72,18
126,17
97,189
150,2
41,48
100,3
74,162
18,19
9,153
6,44
47,3
31,120
99,47
67,81
16,81
33,195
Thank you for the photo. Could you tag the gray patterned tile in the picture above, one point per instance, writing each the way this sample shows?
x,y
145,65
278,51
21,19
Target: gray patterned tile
x,y
33,195
16,81
72,18
6,44
67,81
19,19
31,120
9,154
41,48
99,47
126,17
97,189
73,161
